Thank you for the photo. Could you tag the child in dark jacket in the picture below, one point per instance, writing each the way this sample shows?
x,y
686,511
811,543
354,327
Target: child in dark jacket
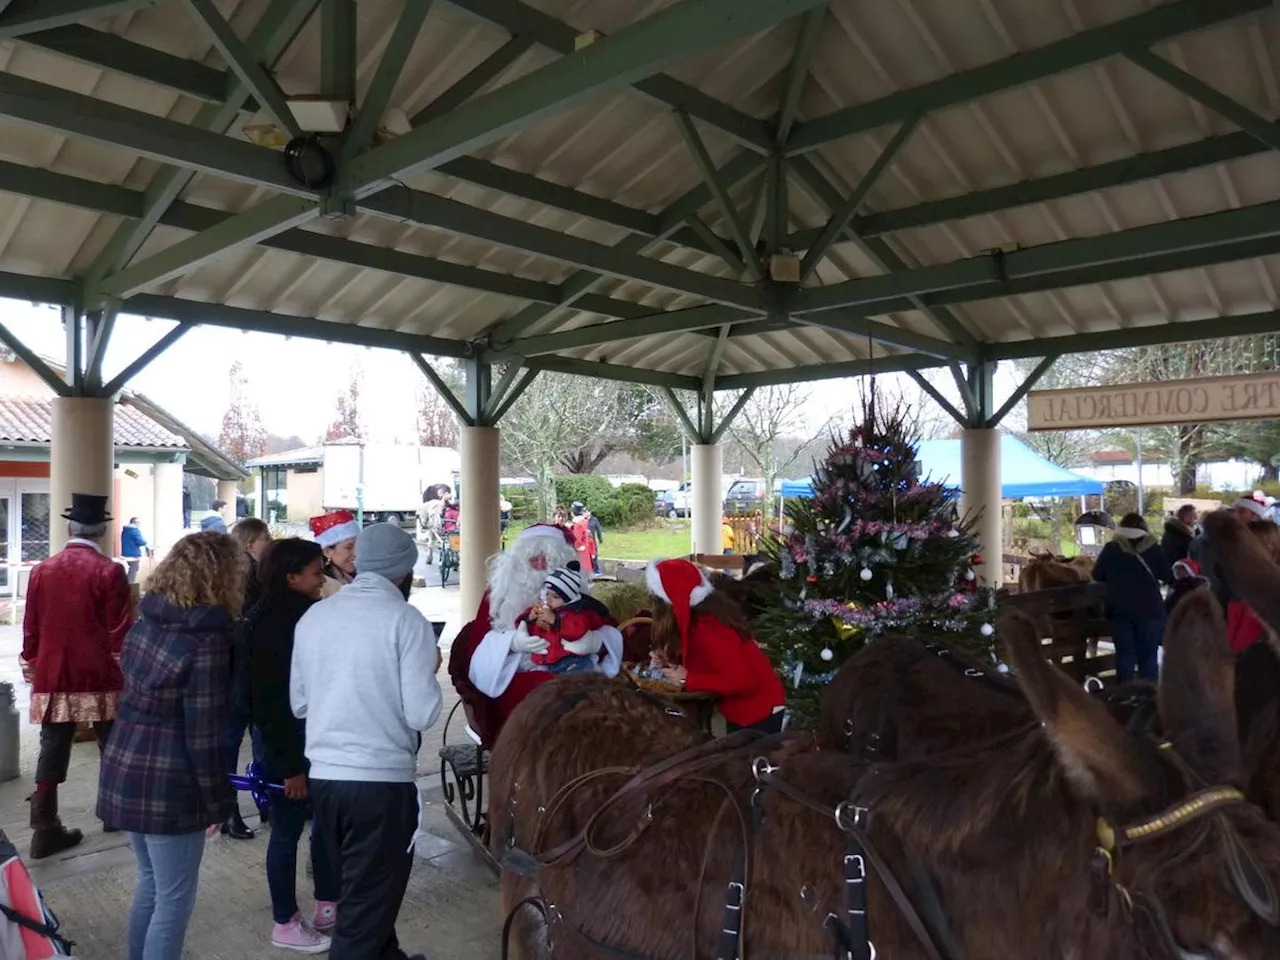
x,y
1186,580
564,616
1133,566
292,578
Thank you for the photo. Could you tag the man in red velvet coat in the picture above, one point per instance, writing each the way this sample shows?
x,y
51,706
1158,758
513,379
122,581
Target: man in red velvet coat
x,y
78,612
491,663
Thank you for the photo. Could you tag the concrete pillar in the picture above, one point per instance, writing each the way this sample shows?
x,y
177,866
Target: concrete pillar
x,y
81,457
227,490
481,534
166,521
980,482
707,502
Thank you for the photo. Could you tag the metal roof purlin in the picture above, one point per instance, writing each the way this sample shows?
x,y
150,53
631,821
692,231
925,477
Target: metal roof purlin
x,y
1143,29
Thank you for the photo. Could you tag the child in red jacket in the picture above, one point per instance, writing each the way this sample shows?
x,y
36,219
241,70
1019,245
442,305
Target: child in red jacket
x,y
704,643
564,615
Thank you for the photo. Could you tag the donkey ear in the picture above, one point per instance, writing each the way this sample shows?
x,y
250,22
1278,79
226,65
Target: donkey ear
x,y
1197,689
1253,575
1099,760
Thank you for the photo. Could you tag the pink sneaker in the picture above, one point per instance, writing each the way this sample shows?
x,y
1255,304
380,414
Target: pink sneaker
x,y
326,917
299,936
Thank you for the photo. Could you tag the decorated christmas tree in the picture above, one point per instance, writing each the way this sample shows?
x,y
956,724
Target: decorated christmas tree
x,y
877,549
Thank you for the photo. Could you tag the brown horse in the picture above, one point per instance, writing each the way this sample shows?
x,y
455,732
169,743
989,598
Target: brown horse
x,y
1044,571
637,858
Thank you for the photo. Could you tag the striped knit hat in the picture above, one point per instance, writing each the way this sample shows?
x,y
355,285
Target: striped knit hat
x,y
565,581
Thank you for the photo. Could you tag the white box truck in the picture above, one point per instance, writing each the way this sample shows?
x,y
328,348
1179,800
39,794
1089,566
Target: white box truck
x,y
393,477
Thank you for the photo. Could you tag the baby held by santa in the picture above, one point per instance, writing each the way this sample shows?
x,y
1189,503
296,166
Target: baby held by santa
x,y
563,617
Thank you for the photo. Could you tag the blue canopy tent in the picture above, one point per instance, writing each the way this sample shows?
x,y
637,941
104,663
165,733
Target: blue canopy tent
x,y
1023,472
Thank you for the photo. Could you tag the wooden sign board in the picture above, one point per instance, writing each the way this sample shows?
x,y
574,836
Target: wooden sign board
x,y
1248,397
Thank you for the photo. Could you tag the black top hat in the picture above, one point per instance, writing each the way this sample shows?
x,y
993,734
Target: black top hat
x,y
87,508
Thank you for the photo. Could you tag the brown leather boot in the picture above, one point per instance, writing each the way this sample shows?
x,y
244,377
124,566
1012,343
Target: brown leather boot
x,y
49,836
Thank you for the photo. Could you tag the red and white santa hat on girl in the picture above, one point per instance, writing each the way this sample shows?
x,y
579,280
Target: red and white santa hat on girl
x,y
681,584
330,529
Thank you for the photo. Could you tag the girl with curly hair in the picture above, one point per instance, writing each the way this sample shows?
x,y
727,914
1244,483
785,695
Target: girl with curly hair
x,y
164,772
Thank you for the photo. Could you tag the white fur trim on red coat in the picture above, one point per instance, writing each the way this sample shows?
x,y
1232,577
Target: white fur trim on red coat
x,y
653,580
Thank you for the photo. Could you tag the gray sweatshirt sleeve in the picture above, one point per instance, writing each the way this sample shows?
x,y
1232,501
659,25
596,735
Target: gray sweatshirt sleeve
x,y
419,691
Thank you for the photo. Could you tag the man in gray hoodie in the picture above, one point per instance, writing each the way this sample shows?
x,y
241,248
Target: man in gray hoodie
x,y
364,678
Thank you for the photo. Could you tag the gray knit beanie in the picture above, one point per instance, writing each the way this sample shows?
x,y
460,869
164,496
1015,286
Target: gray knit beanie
x,y
385,549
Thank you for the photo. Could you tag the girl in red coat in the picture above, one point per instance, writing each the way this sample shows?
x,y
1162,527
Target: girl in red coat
x,y
703,642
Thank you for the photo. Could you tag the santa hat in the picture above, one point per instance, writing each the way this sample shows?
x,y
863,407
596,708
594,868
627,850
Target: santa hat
x,y
681,584
566,581
1254,505
1186,569
544,531
330,529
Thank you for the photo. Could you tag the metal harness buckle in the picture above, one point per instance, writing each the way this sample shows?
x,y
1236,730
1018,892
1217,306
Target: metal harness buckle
x,y
850,816
761,768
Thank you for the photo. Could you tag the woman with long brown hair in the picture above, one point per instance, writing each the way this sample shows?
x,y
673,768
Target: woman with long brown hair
x,y
703,642
164,771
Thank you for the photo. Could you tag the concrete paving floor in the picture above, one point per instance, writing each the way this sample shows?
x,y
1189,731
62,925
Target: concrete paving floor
x,y
450,911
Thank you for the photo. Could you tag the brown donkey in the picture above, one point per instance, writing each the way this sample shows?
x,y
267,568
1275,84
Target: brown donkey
x,y
634,859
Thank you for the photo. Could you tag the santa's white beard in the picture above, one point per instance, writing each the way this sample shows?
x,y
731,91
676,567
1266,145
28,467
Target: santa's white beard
x,y
515,586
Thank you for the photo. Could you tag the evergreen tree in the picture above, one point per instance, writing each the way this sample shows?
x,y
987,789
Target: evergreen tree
x,y
877,550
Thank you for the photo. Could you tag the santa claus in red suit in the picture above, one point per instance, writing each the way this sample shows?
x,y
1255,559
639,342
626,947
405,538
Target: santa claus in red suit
x,y
493,669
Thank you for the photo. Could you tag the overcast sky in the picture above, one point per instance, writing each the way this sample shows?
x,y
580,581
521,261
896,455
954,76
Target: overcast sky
x,y
294,381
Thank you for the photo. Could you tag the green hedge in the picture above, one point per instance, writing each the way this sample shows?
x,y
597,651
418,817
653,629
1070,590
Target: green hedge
x,y
624,506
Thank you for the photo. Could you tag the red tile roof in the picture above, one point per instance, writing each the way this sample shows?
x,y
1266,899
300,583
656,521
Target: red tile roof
x,y
29,419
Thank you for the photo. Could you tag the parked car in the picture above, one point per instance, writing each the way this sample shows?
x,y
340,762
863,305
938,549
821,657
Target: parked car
x,y
745,496
675,503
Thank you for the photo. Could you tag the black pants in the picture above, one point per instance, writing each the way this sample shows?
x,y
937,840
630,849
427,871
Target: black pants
x,y
368,828
56,740
770,724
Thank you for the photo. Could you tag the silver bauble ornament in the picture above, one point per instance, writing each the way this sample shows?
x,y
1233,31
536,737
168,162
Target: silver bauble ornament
x,y
866,574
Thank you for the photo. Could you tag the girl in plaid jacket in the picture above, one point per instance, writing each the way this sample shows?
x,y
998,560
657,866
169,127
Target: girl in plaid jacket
x,y
164,772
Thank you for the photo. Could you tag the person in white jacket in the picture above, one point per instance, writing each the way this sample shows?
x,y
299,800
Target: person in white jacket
x,y
364,679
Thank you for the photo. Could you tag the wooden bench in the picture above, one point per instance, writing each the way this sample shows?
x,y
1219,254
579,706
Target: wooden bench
x,y
1072,621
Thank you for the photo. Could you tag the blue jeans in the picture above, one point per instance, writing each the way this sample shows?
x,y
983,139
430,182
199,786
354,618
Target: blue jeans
x,y
1137,647
288,819
168,871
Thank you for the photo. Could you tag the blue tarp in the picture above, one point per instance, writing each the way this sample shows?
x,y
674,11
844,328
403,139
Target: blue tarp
x,y
1023,472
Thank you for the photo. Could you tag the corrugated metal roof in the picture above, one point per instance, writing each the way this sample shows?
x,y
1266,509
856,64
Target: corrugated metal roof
x,y
624,157
298,455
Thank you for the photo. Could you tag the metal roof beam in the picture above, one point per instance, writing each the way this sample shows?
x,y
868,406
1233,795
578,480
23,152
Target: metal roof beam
x,y
244,64
577,287
268,39
797,71
595,334
828,371
845,210
890,335
385,77
106,198
1240,325
255,224
1195,88
609,371
109,52
450,216
878,250
121,379
1115,173
1164,22
707,169
30,16
286,325
89,118
523,20
605,66
1150,249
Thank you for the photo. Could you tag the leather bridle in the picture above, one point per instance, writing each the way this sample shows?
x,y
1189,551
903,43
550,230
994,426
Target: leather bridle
x,y
1204,813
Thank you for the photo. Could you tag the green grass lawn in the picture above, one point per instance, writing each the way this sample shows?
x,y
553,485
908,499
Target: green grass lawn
x,y
663,538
